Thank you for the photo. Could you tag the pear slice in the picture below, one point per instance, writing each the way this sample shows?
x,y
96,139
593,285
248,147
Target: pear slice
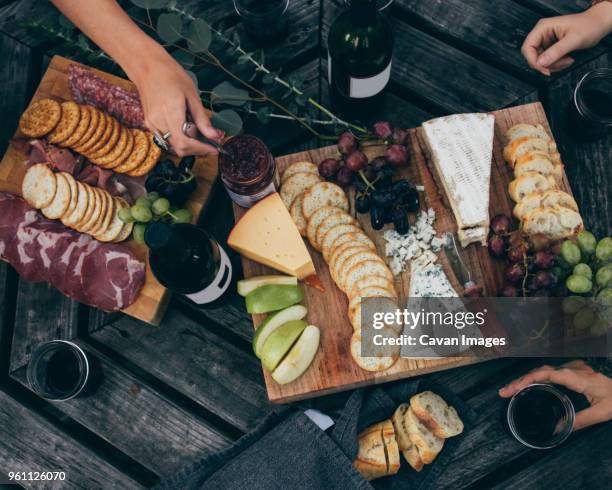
x,y
279,342
245,286
295,312
299,358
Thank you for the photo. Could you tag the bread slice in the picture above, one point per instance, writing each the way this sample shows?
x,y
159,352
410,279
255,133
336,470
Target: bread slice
x,y
371,461
554,222
520,146
547,199
434,412
536,161
527,130
299,167
295,185
528,183
391,448
408,449
427,443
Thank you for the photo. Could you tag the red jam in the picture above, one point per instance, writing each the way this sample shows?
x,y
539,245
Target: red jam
x,y
248,169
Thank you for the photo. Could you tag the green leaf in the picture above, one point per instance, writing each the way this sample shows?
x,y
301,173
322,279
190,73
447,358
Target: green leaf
x,y
185,58
263,115
235,38
227,120
82,42
193,77
301,100
169,27
65,22
293,107
261,57
226,93
268,78
242,59
149,4
200,36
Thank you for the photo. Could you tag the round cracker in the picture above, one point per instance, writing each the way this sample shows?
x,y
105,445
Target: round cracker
x,y
40,118
341,257
298,167
342,267
138,154
125,153
371,281
365,269
75,215
81,128
94,122
104,149
355,238
91,207
61,200
149,162
374,363
315,221
73,190
296,214
105,218
116,225
126,231
93,218
340,218
324,194
343,248
295,185
371,292
118,149
39,186
100,134
334,232
71,115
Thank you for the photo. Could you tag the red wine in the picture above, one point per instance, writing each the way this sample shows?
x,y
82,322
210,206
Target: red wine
x,y
63,373
589,113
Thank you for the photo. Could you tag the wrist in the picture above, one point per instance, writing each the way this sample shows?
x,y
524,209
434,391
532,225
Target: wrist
x,y
138,67
602,10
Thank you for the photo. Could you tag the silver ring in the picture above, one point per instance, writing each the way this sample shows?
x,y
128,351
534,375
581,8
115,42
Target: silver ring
x,y
160,140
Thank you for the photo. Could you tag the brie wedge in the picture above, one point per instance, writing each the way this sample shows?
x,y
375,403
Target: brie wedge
x,y
461,147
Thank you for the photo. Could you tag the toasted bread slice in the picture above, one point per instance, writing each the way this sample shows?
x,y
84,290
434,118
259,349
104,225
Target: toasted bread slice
x,y
554,222
435,413
428,444
371,461
315,221
528,183
324,194
299,167
391,447
547,199
520,146
295,185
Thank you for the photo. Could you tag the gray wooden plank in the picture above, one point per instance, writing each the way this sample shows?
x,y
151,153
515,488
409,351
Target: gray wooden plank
x,y
140,421
43,313
13,15
559,7
449,79
587,164
30,443
203,366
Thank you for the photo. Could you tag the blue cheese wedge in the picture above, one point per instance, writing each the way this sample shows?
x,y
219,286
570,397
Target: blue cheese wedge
x,y
430,281
461,147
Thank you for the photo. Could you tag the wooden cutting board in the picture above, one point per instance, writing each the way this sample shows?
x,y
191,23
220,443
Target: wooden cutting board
x,y
333,368
153,299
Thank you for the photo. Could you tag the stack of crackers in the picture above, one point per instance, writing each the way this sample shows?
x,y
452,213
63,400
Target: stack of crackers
x,y
92,133
77,205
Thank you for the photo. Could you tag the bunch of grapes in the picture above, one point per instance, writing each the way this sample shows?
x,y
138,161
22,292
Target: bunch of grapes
x,y
151,208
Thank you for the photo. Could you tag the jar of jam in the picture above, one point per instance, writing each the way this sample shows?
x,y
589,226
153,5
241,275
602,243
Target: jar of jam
x,y
589,115
247,169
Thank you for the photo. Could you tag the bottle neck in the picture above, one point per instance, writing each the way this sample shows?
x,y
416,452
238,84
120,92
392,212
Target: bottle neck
x,y
363,12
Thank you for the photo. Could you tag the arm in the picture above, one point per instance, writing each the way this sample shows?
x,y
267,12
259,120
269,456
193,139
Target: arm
x,y
165,89
547,46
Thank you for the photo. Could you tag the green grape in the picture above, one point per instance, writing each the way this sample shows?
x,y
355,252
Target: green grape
x,y
160,206
604,297
572,304
603,277
578,284
142,214
154,196
584,319
604,249
570,253
599,327
139,232
583,270
125,215
143,201
587,242
182,216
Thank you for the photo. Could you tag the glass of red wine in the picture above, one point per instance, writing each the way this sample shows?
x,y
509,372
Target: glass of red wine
x,y
540,416
59,370
264,20
590,111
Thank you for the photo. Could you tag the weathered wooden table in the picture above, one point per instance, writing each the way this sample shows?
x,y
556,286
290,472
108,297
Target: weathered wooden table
x,y
192,385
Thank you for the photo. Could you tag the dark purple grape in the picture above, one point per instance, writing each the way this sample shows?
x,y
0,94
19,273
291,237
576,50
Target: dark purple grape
x,y
347,143
389,215
412,201
344,177
377,217
497,246
397,155
383,129
518,252
508,291
500,224
545,279
328,168
383,198
384,183
400,221
544,259
399,136
378,163
360,185
362,204
369,173
356,161
401,187
540,293
515,273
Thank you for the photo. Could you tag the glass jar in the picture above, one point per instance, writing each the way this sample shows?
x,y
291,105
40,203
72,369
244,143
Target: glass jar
x,y
590,110
247,169
264,20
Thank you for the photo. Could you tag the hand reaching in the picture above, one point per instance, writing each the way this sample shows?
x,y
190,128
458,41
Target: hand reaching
x,y
576,376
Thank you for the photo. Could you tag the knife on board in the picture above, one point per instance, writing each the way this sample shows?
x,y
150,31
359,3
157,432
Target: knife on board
x,y
471,289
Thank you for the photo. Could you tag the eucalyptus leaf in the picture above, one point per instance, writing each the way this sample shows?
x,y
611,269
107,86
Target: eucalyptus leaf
x,y
301,99
169,27
242,59
268,78
200,36
184,57
82,42
227,120
65,22
226,93
149,4
263,115
193,77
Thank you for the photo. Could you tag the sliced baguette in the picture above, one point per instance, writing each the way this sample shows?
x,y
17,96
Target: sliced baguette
x,y
528,183
427,443
527,130
554,222
391,448
538,161
547,199
435,413
408,449
371,461
518,147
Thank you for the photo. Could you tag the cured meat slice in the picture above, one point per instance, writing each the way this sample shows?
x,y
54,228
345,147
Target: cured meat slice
x,y
22,251
12,211
67,277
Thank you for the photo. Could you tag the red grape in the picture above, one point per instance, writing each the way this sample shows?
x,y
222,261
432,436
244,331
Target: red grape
x,y
347,143
500,224
399,136
356,161
397,155
545,279
544,259
344,177
328,168
497,246
518,252
508,291
383,129
515,273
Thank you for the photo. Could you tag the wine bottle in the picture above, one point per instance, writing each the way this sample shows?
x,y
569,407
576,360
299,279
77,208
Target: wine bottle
x,y
186,260
360,52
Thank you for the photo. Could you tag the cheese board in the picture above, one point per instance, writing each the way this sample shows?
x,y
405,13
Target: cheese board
x,y
333,369
150,304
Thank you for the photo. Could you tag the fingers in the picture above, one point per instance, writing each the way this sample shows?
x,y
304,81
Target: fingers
x,y
546,374
591,416
533,45
557,51
562,64
181,144
201,120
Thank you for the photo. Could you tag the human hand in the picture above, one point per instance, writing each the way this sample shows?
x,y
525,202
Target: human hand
x,y
167,92
578,377
547,46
